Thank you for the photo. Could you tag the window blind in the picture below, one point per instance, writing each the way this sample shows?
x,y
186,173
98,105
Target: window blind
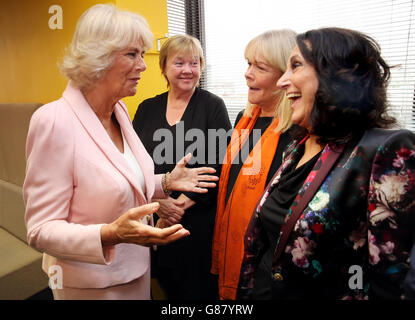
x,y
176,17
230,25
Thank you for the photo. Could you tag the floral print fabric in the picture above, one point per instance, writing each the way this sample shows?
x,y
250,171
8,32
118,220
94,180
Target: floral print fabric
x,y
361,218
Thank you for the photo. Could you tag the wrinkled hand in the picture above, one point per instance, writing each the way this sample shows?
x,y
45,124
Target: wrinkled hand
x,y
128,228
163,223
192,180
170,210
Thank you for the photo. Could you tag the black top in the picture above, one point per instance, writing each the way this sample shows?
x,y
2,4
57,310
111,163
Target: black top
x,y
168,144
272,215
261,124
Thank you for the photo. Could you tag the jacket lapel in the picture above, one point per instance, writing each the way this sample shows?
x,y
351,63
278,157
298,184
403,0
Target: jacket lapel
x,y
310,186
254,237
96,131
140,153
318,174
290,155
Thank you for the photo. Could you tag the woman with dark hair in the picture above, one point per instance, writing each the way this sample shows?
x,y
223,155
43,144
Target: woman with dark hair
x,y
337,220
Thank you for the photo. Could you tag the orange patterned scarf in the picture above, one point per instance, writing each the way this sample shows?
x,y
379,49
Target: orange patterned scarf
x,y
232,220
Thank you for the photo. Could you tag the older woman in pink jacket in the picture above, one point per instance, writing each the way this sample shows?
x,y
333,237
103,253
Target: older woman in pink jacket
x,y
89,179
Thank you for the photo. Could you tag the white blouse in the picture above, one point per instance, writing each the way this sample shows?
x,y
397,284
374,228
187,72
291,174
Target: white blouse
x,y
132,161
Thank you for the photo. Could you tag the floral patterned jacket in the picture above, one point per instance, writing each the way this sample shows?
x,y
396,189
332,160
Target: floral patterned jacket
x,y
353,239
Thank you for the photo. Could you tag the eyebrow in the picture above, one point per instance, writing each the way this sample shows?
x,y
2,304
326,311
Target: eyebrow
x,y
296,56
134,49
184,56
260,62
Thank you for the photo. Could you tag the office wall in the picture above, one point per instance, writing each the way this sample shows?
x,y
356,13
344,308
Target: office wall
x,y
30,50
152,82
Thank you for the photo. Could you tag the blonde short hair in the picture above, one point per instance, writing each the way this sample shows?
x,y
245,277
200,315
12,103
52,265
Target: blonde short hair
x,y
182,43
100,32
275,46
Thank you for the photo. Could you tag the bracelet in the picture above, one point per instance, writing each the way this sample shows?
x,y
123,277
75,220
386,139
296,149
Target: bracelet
x,y
165,185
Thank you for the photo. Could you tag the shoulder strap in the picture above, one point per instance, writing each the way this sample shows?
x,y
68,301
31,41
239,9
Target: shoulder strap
x,y
286,229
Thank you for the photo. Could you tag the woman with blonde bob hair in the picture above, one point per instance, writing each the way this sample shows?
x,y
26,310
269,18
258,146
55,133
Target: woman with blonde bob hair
x,y
262,131
269,46
180,44
183,268
89,180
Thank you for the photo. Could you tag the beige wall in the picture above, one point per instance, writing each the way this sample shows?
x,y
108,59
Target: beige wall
x,y
30,50
152,82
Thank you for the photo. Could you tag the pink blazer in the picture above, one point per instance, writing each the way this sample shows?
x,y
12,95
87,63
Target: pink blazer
x,y
77,180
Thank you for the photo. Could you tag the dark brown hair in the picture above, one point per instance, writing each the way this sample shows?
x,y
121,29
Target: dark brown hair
x,y
353,79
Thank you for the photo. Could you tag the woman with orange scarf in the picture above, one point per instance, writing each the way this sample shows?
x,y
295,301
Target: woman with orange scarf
x,y
261,131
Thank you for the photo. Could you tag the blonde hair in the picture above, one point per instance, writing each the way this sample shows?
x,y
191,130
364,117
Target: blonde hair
x,y
182,43
275,46
100,32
